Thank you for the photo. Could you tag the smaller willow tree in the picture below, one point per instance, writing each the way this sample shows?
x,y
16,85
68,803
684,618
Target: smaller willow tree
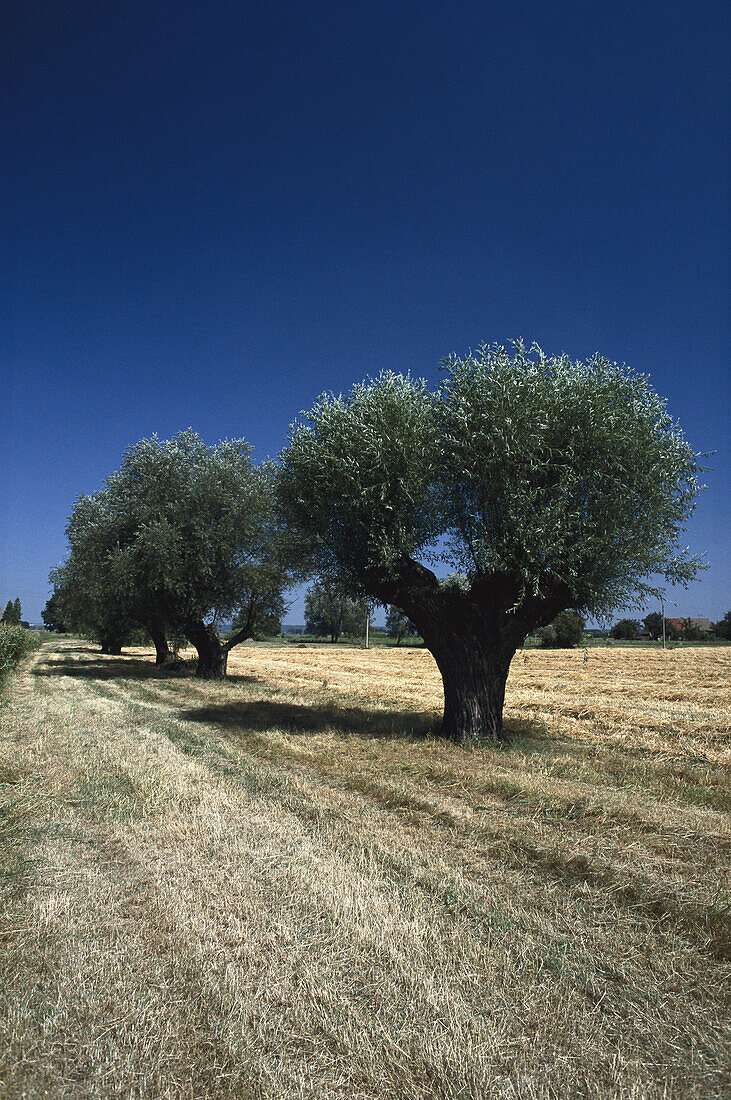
x,y
398,626
540,483
88,592
202,543
330,609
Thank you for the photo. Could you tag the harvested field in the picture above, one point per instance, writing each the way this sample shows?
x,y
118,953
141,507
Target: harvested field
x,y
285,886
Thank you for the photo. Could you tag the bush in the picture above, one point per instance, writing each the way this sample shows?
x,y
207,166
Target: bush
x,y
565,632
15,643
722,629
626,630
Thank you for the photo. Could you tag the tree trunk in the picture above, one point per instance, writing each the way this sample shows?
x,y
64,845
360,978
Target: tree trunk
x,y
474,663
163,655
474,694
111,645
473,633
212,653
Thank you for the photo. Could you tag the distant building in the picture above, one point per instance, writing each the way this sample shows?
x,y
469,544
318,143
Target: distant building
x,y
702,624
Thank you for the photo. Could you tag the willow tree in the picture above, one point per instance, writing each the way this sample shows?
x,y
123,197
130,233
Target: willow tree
x,y
203,544
89,592
538,483
330,609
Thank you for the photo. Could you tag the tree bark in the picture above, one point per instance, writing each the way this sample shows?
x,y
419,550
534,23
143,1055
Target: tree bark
x,y
163,654
472,635
473,630
111,645
474,690
212,653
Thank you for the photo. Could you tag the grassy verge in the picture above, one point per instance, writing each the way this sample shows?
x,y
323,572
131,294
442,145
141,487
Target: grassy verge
x,y
16,642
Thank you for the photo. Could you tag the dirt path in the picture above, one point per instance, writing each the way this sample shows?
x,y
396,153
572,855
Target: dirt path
x,y
264,889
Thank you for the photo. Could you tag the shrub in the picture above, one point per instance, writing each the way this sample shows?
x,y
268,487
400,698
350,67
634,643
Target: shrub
x,y
626,630
722,629
565,632
15,643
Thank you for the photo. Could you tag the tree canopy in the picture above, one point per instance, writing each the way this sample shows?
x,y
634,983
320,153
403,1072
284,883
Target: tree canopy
x,y
625,630
565,632
723,627
653,624
398,626
52,615
12,613
90,593
536,482
331,610
180,538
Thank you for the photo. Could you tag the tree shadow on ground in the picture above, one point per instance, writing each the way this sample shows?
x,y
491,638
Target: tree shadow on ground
x,y
260,715
125,668
308,719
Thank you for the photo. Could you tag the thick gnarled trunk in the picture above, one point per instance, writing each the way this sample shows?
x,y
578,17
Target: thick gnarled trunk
x,y
111,645
473,639
474,691
212,653
473,630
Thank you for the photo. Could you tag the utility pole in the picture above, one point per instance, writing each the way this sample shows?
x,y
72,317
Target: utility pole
x,y
367,621
662,615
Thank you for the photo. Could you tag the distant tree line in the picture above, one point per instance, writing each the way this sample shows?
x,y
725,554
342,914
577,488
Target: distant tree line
x,y
568,629
688,630
547,490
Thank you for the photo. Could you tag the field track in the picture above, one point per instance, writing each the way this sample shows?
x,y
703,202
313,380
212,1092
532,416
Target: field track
x,y
285,886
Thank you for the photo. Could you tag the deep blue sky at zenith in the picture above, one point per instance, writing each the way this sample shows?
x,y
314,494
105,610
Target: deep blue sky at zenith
x,y
212,212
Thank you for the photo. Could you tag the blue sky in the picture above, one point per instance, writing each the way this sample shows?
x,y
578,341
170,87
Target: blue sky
x,y
213,212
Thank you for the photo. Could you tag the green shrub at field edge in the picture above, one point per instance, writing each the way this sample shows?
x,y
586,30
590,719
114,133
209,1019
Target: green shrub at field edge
x,y
15,643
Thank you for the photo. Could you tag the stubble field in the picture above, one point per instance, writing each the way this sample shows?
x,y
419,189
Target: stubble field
x,y
285,886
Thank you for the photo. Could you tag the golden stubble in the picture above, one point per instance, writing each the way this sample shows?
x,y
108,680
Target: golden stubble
x,y
285,885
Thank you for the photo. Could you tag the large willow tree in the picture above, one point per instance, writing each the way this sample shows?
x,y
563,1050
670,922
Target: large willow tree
x,y
539,483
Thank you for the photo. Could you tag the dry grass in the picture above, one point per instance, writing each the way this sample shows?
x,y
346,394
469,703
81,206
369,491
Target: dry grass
x,y
283,886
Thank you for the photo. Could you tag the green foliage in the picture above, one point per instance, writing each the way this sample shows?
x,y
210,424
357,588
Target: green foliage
x,y
654,623
11,614
565,632
359,481
722,629
52,615
330,609
203,541
690,632
90,592
560,476
15,643
398,625
181,536
625,630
